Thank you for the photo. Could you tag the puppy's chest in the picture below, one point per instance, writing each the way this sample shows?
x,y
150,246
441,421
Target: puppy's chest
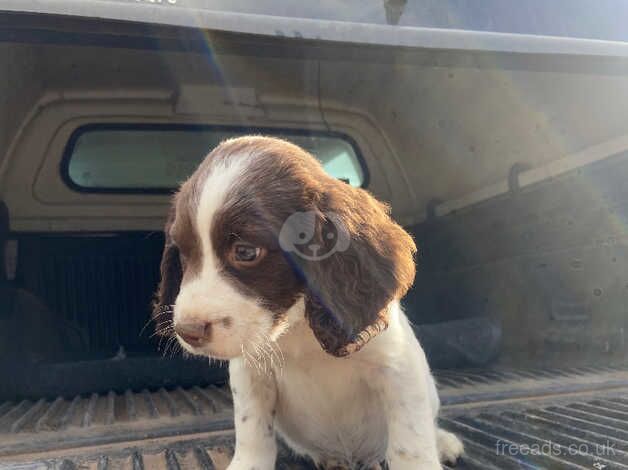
x,y
330,407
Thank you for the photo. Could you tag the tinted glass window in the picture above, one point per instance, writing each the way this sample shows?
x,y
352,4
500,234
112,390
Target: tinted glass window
x,y
123,158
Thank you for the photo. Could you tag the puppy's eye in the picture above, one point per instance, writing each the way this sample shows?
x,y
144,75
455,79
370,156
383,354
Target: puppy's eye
x,y
244,254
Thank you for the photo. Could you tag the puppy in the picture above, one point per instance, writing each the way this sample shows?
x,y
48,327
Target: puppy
x,y
295,278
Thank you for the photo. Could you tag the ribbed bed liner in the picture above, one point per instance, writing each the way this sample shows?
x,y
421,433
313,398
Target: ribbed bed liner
x,y
574,435
112,409
536,418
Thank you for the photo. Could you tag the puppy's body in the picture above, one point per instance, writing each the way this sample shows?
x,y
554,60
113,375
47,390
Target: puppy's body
x,y
328,426
319,348
335,408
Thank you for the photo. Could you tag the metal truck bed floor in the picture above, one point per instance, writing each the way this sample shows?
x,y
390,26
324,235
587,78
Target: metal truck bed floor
x,y
537,418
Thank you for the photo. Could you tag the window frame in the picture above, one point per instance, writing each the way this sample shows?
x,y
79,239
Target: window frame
x,y
270,131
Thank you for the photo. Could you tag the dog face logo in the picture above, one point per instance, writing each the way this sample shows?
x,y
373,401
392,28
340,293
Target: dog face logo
x,y
298,235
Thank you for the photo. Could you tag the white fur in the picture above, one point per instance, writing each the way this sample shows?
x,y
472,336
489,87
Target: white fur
x,y
210,297
378,403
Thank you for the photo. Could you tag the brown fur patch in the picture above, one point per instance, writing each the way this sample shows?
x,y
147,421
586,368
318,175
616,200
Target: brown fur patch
x,y
170,283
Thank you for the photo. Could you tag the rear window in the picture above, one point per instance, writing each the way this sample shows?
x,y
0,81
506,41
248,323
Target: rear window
x,y
157,158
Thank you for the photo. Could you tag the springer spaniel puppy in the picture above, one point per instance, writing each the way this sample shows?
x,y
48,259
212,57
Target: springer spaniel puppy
x,y
295,278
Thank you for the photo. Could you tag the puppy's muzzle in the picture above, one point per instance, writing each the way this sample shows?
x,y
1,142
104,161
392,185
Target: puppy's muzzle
x,y
195,334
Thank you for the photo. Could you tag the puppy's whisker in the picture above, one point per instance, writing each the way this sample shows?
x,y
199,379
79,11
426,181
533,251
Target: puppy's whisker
x,y
155,319
246,363
261,355
161,341
163,338
277,349
256,345
150,320
171,346
270,349
264,352
273,352
162,331
250,359
178,349
261,358
271,355
279,354
157,316
166,346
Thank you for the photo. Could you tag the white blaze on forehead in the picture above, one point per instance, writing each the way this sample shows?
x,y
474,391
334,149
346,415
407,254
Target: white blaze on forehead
x,y
220,180
210,296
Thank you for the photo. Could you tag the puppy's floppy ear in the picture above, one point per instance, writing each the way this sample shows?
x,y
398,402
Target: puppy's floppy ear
x,y
170,283
347,293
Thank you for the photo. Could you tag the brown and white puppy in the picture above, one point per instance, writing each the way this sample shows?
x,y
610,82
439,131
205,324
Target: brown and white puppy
x,y
295,278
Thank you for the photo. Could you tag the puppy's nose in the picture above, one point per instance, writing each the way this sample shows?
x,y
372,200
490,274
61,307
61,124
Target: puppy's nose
x,y
195,334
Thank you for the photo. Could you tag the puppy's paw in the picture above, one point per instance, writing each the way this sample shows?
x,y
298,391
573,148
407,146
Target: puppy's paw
x,y
248,466
251,464
332,465
450,448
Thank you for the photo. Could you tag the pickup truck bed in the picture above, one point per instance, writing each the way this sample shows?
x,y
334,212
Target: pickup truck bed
x,y
580,412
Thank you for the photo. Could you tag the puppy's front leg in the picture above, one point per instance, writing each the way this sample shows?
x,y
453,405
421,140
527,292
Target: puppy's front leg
x,y
253,404
411,404
411,428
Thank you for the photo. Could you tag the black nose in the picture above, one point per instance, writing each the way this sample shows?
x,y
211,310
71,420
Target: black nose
x,y
195,334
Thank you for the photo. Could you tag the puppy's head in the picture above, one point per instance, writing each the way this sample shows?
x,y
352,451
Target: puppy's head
x,y
260,227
